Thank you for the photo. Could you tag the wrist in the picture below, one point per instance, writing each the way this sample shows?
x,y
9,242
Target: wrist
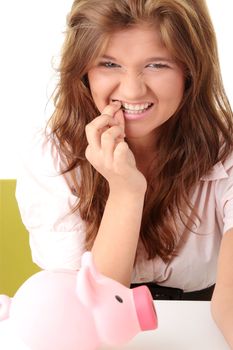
x,y
132,190
124,196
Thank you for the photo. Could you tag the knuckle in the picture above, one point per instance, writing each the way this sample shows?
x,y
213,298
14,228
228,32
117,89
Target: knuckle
x,y
106,135
121,152
122,147
101,118
87,152
107,110
113,131
99,123
97,119
87,128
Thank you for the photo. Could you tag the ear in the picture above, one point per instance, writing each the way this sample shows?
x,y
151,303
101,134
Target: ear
x,y
87,281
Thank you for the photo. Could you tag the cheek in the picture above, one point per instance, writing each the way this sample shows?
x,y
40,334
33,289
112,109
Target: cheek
x,y
101,87
170,87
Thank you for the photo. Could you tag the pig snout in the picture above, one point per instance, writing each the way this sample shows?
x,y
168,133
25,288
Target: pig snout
x,y
145,309
5,302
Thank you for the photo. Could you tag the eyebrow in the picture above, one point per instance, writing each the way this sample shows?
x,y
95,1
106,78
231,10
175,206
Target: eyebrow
x,y
150,59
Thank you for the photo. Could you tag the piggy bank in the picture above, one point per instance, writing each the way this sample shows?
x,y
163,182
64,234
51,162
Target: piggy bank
x,y
77,310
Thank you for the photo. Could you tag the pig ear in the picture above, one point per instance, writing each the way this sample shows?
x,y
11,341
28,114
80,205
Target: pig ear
x,y
87,286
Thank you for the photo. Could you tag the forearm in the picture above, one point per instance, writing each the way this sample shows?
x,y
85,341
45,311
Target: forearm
x,y
222,301
115,246
222,311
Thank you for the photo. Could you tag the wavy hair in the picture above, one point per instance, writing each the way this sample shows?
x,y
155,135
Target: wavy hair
x,y
197,136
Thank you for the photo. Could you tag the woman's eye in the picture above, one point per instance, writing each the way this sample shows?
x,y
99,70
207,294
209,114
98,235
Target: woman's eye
x,y
157,65
109,64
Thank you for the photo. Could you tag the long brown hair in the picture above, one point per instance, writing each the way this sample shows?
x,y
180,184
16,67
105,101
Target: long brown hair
x,y
197,136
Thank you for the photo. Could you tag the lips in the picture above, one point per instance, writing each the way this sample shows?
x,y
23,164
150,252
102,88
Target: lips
x,y
137,115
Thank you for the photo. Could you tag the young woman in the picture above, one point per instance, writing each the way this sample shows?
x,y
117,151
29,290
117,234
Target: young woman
x,y
137,164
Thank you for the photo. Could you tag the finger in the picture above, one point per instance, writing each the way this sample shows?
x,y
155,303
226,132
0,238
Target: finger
x,y
101,123
107,114
96,128
88,153
119,117
121,150
109,140
112,108
123,155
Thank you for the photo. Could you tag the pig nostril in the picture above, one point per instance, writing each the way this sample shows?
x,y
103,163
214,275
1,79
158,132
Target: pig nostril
x,y
119,299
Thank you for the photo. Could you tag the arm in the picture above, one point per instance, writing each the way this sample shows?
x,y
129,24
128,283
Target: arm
x,y
222,301
115,246
45,200
116,243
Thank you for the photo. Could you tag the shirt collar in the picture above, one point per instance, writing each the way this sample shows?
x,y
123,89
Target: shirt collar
x,y
216,173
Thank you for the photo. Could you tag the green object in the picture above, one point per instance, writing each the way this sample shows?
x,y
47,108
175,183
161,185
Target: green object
x,y
15,257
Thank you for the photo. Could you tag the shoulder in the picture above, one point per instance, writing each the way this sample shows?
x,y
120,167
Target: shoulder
x,y
41,166
228,165
44,193
218,185
40,152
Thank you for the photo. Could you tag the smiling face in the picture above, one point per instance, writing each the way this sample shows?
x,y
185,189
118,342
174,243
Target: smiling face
x,y
139,71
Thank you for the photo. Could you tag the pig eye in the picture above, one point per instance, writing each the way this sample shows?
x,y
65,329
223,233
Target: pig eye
x,y
119,299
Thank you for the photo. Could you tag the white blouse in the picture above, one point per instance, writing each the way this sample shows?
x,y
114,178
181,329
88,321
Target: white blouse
x,y
57,236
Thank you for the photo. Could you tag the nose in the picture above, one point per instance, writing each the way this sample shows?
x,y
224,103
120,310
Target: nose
x,y
132,87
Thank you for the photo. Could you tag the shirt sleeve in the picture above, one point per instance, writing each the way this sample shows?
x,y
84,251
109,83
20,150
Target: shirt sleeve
x,y
45,200
224,193
227,204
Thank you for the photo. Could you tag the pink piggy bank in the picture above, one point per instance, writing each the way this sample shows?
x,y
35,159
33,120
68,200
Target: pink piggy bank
x,y
69,310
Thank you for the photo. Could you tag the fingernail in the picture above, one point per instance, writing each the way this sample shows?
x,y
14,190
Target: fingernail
x,y
116,103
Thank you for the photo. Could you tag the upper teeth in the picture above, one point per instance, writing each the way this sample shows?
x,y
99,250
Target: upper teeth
x,y
135,107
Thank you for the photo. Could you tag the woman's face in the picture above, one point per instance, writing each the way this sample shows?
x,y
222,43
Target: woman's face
x,y
138,70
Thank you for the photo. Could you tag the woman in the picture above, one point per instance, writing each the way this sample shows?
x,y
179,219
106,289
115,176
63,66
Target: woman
x,y
137,162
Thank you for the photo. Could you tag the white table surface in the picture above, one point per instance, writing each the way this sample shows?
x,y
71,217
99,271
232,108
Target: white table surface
x,y
183,325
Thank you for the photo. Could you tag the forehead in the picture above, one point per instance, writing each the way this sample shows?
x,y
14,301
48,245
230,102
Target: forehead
x,y
137,42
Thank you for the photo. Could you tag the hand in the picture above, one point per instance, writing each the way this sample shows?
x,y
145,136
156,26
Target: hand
x,y
110,155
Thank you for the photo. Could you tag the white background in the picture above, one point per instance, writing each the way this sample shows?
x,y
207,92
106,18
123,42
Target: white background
x,y
30,36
